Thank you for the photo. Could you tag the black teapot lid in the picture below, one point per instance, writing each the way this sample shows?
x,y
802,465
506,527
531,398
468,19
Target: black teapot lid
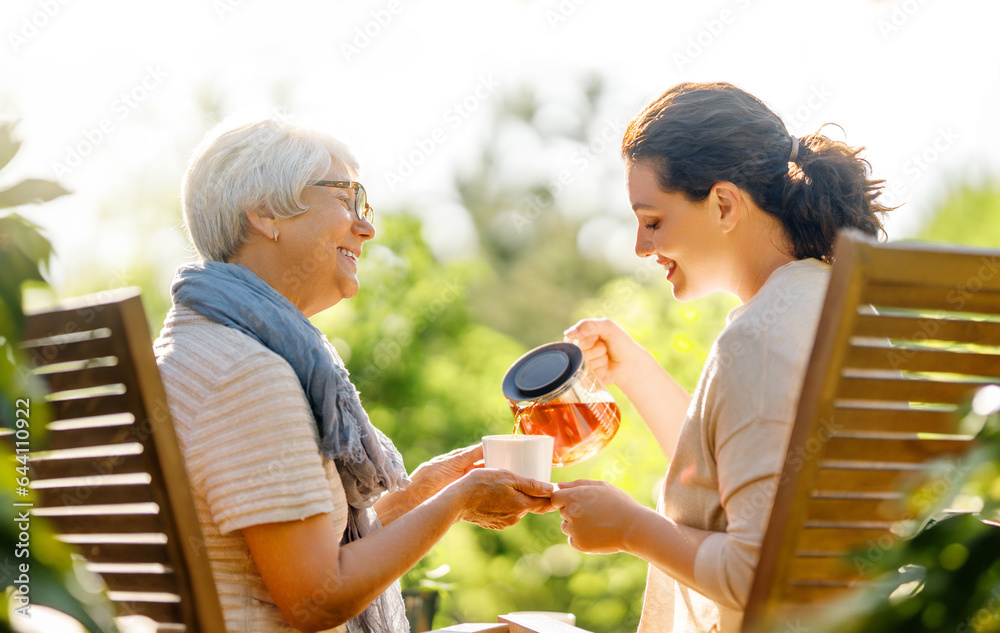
x,y
541,371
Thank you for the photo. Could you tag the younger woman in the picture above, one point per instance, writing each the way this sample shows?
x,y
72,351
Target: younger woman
x,y
726,199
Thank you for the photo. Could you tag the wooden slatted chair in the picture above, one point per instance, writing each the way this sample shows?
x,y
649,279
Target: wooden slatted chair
x,y
111,478
907,333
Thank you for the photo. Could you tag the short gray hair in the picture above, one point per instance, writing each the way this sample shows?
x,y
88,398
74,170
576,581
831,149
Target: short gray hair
x,y
262,166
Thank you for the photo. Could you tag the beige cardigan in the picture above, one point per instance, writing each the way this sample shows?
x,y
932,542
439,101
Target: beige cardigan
x,y
724,472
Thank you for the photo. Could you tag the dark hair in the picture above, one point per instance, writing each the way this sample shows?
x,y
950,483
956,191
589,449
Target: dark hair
x,y
695,135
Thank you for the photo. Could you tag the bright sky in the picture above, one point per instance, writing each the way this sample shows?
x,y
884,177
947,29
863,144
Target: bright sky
x,y
916,81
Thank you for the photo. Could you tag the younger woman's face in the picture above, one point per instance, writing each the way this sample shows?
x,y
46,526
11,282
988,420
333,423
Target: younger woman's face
x,y
682,235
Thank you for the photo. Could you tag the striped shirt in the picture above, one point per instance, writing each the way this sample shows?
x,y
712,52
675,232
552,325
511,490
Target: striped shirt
x,y
250,447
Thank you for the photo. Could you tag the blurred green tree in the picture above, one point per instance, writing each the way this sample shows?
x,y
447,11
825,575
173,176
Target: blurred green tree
x,y
527,235
970,214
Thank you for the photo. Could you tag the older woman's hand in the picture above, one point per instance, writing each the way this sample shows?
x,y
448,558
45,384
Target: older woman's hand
x,y
427,480
430,477
497,499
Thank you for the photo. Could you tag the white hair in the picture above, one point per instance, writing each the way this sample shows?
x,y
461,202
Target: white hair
x,y
261,166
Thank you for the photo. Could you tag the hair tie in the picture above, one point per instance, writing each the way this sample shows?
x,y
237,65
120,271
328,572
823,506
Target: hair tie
x,y
794,156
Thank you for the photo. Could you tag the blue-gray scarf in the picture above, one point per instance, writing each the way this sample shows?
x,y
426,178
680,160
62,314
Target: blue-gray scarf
x,y
368,463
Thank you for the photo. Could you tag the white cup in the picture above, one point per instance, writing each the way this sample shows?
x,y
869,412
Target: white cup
x,y
525,455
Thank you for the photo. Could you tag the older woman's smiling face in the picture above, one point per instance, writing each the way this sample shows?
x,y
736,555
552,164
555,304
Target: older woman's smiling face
x,y
320,248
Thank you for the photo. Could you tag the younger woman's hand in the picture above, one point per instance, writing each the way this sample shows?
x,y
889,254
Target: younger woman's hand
x,y
613,355
595,515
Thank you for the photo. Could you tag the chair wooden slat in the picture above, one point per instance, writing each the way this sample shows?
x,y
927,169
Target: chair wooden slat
x,y
826,509
822,568
907,390
895,421
43,469
91,436
164,582
73,320
894,450
915,328
863,480
90,406
125,553
168,612
84,378
838,540
946,267
50,353
800,592
110,520
943,298
897,359
107,523
84,495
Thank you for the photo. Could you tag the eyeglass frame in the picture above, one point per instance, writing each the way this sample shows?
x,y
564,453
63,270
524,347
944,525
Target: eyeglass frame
x,y
368,214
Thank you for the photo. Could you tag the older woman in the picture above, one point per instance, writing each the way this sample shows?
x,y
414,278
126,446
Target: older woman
x,y
308,516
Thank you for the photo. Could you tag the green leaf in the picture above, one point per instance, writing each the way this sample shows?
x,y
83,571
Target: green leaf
x,y
31,191
61,591
8,144
24,251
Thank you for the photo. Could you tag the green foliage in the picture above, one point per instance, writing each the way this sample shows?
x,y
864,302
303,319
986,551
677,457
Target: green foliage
x,y
23,253
47,572
31,191
970,215
527,236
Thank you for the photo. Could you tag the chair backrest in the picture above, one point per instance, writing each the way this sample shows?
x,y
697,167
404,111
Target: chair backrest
x,y
111,478
907,333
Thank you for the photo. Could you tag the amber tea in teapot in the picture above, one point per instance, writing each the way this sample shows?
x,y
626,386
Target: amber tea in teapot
x,y
552,391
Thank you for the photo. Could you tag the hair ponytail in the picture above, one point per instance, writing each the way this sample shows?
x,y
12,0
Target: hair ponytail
x,y
696,135
828,188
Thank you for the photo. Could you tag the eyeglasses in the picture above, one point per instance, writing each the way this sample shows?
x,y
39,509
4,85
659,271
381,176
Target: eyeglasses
x,y
361,208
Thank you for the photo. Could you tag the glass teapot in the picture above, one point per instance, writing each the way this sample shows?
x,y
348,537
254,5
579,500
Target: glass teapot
x,y
552,391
